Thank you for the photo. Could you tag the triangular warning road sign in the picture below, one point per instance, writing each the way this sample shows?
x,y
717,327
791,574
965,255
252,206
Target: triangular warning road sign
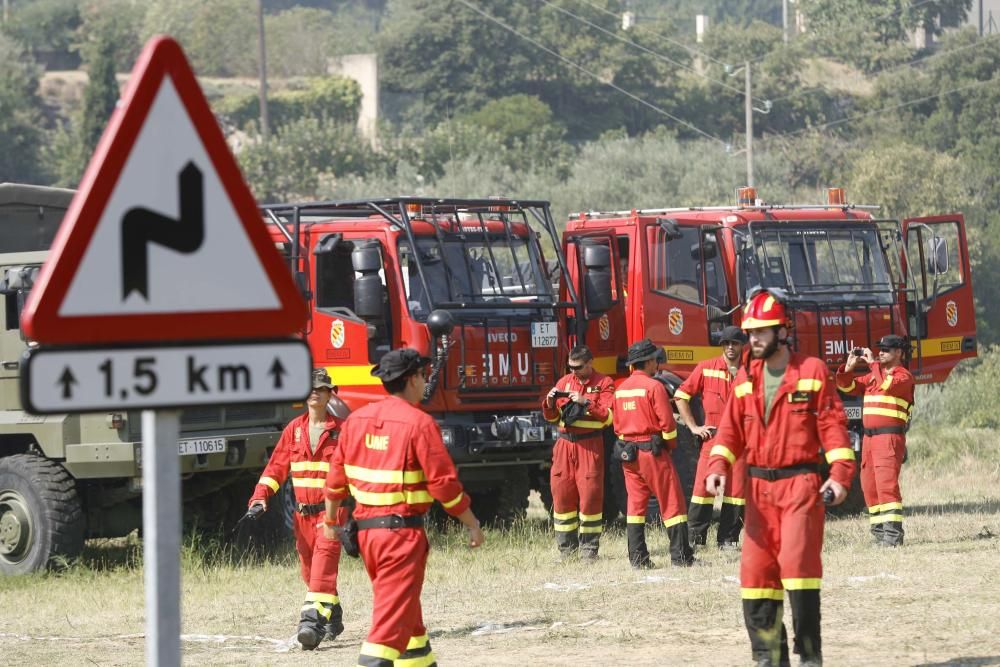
x,y
163,241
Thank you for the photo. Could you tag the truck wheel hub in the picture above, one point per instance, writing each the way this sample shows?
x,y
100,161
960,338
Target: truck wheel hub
x,y
15,527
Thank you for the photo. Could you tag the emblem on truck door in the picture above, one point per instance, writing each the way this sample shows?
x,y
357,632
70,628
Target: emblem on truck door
x,y
675,320
951,313
337,333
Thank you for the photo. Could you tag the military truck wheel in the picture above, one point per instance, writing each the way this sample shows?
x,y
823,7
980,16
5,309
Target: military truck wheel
x,y
41,519
272,529
854,503
506,502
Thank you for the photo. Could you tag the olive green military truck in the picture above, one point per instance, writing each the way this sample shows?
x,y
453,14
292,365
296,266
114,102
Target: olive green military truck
x,y
65,478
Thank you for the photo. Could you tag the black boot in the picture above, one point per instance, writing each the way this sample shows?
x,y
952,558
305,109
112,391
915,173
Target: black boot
x,y
699,519
335,622
730,525
892,533
567,538
768,638
590,535
312,627
638,555
806,624
681,552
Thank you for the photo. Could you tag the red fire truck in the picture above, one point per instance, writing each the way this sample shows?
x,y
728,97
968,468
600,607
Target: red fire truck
x,y
467,283
679,275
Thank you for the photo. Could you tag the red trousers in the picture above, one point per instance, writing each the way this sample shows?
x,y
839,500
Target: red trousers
x,y
784,537
395,561
881,459
654,474
577,481
318,556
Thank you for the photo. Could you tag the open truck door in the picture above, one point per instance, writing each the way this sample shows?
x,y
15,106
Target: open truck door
x,y
594,266
942,310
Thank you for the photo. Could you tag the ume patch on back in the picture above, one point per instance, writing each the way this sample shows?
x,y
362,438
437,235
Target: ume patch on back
x,y
380,442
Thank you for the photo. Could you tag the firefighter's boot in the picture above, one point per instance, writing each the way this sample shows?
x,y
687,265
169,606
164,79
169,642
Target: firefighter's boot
x,y
806,624
681,552
591,526
768,638
638,554
699,519
568,542
730,525
335,622
892,533
312,626
877,529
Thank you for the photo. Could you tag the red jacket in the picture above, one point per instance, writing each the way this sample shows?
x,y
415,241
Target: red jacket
x,y
806,414
292,453
888,394
712,380
392,460
599,389
642,408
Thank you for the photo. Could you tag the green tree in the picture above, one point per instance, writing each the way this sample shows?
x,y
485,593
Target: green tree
x,y
46,27
219,37
101,94
21,120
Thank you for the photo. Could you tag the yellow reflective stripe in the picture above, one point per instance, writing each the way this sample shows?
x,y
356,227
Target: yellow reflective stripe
x,y
712,373
884,412
848,388
885,398
609,418
587,423
768,302
309,482
630,393
268,481
339,489
840,454
563,516
554,420
743,389
352,375
566,527
325,612
722,450
393,498
379,651
702,500
683,395
377,476
891,506
762,594
417,642
673,521
891,517
886,383
451,503
419,661
328,598
313,466
669,436
635,519
801,584
732,500
809,384
591,517
591,529
874,509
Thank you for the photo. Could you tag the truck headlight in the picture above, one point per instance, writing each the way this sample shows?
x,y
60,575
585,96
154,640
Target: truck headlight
x,y
448,436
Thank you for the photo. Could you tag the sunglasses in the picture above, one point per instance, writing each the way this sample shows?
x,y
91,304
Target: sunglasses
x,y
731,343
575,368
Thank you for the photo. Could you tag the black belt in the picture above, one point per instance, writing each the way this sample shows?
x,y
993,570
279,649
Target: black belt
x,y
392,521
577,437
886,430
308,510
772,474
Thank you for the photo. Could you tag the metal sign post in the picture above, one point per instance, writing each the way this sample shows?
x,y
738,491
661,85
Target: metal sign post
x,y
161,538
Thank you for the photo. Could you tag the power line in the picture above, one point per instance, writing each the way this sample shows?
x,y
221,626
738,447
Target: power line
x,y
593,75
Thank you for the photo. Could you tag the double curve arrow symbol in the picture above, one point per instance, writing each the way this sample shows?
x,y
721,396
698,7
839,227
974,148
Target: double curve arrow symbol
x,y
141,226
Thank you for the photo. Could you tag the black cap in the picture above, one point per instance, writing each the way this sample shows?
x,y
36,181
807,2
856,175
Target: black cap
x,y
322,379
732,333
893,342
640,351
398,363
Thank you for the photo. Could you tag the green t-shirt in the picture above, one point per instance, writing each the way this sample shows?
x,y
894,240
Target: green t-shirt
x,y
772,380
314,435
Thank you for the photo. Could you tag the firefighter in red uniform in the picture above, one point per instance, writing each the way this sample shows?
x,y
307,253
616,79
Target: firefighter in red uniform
x,y
783,408
392,460
712,379
581,403
647,432
888,391
304,449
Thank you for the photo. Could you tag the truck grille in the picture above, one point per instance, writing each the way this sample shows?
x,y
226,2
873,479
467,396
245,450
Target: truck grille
x,y
217,417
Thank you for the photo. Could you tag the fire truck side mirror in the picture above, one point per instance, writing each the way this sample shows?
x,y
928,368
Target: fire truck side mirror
x,y
369,292
671,231
937,256
598,278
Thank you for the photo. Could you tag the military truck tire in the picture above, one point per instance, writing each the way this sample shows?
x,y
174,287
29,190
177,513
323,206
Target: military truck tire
x,y
854,503
41,519
505,503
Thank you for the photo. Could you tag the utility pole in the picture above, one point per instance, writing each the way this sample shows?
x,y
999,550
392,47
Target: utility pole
x,y
262,62
6,15
784,20
749,123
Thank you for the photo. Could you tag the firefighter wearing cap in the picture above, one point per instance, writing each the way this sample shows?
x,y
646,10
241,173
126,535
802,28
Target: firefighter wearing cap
x,y
784,407
712,379
887,388
304,450
580,402
392,460
645,426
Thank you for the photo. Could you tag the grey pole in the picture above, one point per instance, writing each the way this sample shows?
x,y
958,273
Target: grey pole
x,y
784,20
161,543
262,69
749,123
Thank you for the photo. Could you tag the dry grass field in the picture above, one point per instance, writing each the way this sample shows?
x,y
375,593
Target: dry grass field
x,y
934,602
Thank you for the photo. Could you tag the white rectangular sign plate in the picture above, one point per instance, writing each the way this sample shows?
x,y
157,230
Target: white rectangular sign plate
x,y
853,412
196,446
67,380
544,334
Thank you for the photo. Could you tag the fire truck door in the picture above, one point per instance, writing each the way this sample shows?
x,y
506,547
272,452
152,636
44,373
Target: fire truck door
x,y
942,312
602,326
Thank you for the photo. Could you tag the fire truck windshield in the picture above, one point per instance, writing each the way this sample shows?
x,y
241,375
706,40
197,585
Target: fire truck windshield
x,y
830,262
459,272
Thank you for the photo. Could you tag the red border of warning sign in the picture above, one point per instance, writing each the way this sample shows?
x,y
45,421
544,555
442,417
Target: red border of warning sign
x,y
41,320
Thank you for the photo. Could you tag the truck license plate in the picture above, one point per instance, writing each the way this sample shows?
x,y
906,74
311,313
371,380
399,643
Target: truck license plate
x,y
196,446
853,412
543,334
